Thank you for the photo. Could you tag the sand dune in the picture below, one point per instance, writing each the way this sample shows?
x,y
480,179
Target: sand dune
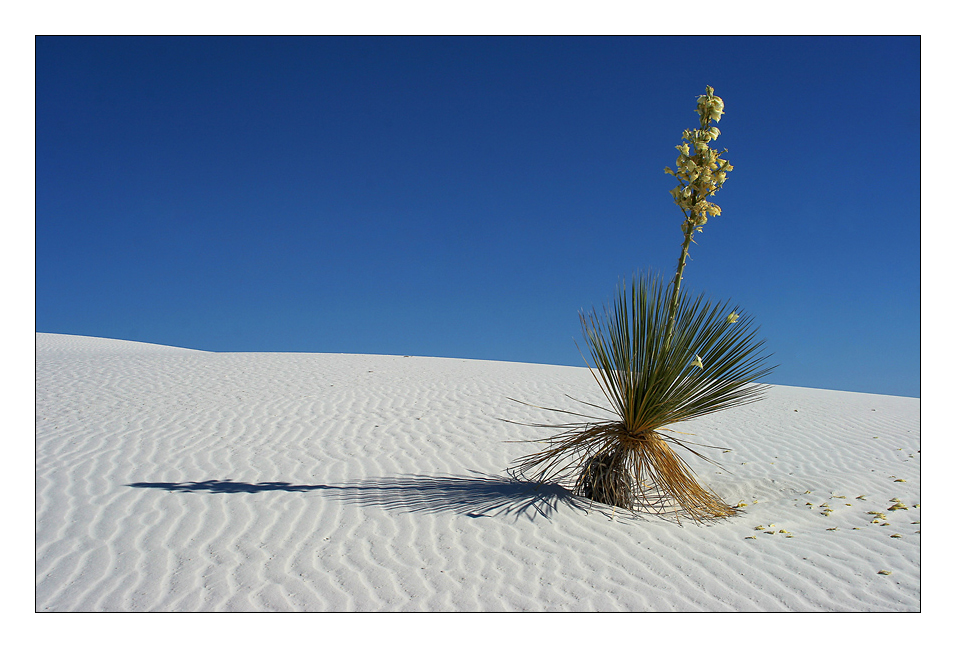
x,y
172,479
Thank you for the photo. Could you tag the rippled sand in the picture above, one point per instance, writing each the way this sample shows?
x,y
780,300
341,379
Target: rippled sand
x,y
172,479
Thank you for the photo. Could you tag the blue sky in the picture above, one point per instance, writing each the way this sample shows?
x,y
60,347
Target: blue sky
x,y
468,197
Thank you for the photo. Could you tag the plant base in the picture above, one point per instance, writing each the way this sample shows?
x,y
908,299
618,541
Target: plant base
x,y
643,472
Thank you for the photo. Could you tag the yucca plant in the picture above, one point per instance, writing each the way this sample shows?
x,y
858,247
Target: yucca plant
x,y
661,357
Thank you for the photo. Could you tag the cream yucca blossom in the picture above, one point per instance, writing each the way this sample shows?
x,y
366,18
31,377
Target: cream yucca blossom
x,y
710,106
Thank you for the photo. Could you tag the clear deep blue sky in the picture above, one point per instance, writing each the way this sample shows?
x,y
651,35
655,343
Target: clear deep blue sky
x,y
468,197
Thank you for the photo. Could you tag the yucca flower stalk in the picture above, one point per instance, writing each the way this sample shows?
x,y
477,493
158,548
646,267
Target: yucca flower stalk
x,y
660,357
700,173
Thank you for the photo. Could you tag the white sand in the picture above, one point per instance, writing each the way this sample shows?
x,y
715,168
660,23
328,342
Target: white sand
x,y
171,479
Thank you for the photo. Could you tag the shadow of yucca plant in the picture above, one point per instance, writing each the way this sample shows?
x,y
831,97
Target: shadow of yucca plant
x,y
660,357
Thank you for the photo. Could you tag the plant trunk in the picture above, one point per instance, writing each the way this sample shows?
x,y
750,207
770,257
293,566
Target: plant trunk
x,y
604,480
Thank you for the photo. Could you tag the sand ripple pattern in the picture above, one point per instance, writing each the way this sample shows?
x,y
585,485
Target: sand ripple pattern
x,y
171,479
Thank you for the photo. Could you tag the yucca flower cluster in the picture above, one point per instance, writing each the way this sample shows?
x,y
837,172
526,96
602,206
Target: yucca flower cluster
x,y
701,172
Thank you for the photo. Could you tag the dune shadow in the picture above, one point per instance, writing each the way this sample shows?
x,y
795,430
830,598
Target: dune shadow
x,y
478,496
